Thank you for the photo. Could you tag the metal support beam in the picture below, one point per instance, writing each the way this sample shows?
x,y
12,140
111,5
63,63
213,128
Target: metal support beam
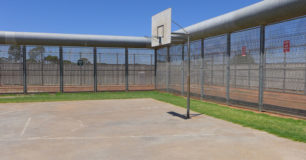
x,y
249,75
155,68
24,56
168,68
126,69
202,68
228,71
284,72
134,74
304,78
212,70
95,70
261,68
183,69
188,78
42,68
61,69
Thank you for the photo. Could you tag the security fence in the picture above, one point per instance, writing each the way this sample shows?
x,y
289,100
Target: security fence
x,y
32,69
262,67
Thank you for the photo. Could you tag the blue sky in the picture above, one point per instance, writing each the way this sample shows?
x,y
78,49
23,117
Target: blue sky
x,y
106,17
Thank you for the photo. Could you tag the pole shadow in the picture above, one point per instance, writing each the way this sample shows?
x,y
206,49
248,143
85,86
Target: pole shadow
x,y
175,114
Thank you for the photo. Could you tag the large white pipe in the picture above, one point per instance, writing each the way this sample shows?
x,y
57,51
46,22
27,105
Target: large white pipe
x,y
262,13
29,38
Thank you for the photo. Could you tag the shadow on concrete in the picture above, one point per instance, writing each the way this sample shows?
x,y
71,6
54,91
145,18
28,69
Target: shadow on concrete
x,y
182,115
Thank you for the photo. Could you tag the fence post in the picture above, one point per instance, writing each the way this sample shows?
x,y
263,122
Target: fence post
x,y
228,71
183,68
155,68
95,70
61,69
249,75
42,68
126,69
202,68
168,68
212,70
134,74
305,79
261,68
285,67
24,56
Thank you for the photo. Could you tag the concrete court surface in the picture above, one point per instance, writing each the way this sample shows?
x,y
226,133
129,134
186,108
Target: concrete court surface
x,y
134,129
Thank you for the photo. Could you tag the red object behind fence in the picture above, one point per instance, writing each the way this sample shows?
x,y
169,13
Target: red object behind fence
x,y
243,51
286,46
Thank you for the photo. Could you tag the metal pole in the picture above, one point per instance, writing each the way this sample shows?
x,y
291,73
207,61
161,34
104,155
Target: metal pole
x,y
305,79
223,69
155,68
42,68
235,74
212,71
261,68
228,71
116,76
168,68
151,60
249,75
202,68
134,70
285,66
126,69
81,82
95,70
188,79
183,69
24,55
61,69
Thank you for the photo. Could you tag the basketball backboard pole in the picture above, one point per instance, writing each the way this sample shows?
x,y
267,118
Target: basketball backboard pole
x,y
161,36
188,69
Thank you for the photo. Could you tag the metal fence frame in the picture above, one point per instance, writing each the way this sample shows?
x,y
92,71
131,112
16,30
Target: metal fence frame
x,y
95,70
259,105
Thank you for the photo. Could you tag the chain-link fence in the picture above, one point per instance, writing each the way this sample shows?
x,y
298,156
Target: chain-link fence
x,y
262,67
141,69
11,69
228,67
75,69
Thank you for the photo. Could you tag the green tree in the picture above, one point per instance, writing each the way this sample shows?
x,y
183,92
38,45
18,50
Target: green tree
x,y
35,54
14,53
85,60
67,62
239,59
51,59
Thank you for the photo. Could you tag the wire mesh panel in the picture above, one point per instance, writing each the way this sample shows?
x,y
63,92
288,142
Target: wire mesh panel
x,y
244,66
43,69
215,67
176,69
11,69
195,68
141,69
285,68
111,69
161,70
78,69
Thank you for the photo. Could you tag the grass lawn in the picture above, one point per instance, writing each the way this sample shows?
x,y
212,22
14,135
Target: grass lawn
x,y
283,127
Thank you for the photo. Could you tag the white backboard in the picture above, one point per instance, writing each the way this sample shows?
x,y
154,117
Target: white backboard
x,y
161,28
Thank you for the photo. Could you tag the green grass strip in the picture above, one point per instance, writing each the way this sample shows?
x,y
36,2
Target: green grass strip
x,y
283,127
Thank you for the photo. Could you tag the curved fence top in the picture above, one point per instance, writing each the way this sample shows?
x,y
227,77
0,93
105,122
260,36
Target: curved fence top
x,y
29,38
262,13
